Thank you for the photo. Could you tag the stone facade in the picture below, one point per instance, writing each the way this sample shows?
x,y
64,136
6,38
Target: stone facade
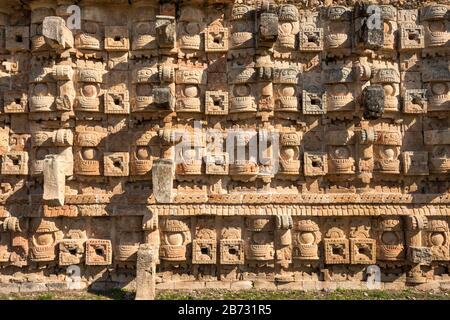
x,y
223,143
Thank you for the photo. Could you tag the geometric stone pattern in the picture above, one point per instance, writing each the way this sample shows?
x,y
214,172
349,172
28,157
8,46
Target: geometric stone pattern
x,y
92,120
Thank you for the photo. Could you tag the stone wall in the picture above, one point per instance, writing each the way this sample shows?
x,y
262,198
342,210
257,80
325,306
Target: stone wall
x,y
297,144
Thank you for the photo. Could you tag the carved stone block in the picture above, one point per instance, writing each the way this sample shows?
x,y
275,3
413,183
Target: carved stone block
x,y
411,38
204,251
162,178
55,31
54,179
362,251
311,39
217,164
98,252
231,251
165,31
164,98
421,255
116,39
373,101
216,103
116,164
336,251
415,101
117,102
216,39
15,162
268,26
17,39
313,103
71,251
415,163
316,163
15,102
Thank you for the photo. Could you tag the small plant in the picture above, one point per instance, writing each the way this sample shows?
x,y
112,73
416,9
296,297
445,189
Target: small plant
x,y
46,296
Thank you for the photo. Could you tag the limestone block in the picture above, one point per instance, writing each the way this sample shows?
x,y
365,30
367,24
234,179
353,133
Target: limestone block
x,y
162,178
56,33
146,273
54,180
373,101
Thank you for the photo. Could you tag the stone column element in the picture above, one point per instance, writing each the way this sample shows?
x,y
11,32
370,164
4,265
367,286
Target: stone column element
x,y
418,254
145,272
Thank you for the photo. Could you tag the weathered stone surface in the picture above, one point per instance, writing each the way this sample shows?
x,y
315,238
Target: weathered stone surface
x,y
241,285
264,285
7,288
32,287
145,273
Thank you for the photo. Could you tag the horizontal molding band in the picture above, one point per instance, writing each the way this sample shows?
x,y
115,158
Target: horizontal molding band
x,y
102,210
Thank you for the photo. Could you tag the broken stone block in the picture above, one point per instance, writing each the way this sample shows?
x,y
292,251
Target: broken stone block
x,y
56,34
373,101
54,180
162,177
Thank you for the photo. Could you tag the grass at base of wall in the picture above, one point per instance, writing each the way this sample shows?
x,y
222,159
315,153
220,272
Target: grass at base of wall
x,y
118,294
